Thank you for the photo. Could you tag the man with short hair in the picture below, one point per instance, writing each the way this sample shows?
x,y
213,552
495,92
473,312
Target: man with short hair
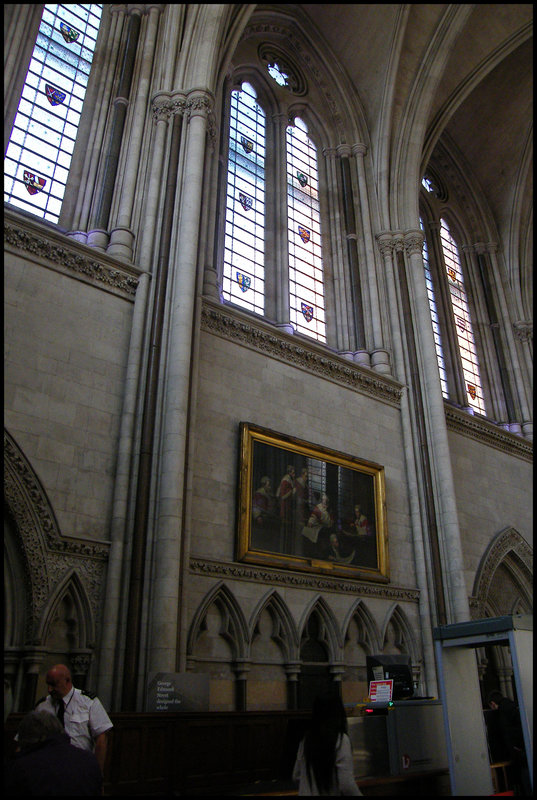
x,y
81,713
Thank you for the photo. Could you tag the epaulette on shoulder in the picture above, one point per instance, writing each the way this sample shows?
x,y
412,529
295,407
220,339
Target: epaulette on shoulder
x,y
87,693
41,700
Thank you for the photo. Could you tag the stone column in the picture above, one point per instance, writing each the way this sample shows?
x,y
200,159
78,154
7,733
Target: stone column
x,y
387,243
241,667
292,671
380,357
489,251
523,331
21,25
343,307
437,440
99,236
121,236
32,661
361,354
162,646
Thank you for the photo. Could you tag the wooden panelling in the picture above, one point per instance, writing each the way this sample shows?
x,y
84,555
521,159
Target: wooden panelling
x,y
187,753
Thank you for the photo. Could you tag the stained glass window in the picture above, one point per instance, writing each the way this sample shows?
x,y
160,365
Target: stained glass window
x,y
278,74
306,288
463,323
39,153
244,249
434,317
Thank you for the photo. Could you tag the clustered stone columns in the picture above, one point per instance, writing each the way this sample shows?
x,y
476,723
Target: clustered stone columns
x,y
162,647
361,324
512,381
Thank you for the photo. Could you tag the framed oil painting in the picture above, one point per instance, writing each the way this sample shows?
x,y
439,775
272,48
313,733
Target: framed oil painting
x,y
305,507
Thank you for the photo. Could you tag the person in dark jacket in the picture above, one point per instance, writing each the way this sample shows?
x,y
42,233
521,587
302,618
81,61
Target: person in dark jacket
x,y
511,739
48,765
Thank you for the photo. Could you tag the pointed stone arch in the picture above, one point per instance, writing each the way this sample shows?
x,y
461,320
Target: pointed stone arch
x,y
321,652
233,628
42,565
329,631
273,655
504,579
284,630
361,638
404,640
369,635
503,586
217,644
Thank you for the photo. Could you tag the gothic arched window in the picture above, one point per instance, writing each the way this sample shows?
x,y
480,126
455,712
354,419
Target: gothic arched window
x,y
38,157
272,255
453,327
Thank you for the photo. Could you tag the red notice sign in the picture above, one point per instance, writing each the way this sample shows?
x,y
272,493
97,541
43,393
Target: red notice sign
x,y
380,691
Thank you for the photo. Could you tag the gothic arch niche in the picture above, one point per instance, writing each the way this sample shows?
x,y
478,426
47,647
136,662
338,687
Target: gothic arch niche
x,y
361,640
321,647
273,646
503,586
398,638
217,645
67,631
46,573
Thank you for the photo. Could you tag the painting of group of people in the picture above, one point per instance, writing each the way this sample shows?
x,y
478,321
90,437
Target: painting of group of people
x,y
312,509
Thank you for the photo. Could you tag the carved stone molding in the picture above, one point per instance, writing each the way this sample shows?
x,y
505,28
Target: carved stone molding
x,y
196,102
47,555
507,542
488,433
523,330
274,577
227,324
302,52
64,255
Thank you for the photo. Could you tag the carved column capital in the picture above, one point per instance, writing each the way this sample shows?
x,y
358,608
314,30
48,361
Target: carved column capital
x,y
413,241
344,150
523,330
359,149
165,105
385,243
330,152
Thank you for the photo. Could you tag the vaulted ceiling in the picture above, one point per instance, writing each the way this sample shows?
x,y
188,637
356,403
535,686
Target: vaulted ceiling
x,y
455,73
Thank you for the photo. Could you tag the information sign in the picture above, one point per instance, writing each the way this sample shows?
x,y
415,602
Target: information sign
x,y
381,691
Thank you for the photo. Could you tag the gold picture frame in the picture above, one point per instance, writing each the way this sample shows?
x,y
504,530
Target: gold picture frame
x,y
309,508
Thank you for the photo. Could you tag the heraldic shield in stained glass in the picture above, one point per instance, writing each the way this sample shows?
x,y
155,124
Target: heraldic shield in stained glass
x,y
244,281
33,183
245,201
69,34
304,234
54,96
472,391
302,179
307,311
247,144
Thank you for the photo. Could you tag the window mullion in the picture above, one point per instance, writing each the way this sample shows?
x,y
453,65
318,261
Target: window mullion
x,y
281,249
453,363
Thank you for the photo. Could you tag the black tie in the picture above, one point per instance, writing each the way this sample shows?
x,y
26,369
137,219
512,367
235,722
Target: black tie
x,y
61,712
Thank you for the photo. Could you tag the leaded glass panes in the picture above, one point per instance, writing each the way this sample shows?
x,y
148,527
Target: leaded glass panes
x,y
463,324
434,318
244,246
306,288
39,153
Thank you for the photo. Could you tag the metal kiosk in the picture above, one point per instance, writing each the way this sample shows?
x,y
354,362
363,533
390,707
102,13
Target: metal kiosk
x,y
466,740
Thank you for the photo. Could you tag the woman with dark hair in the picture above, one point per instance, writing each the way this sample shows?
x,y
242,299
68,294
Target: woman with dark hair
x,y
324,760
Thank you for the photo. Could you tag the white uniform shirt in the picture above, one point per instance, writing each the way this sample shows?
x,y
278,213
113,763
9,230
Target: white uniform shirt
x,y
84,718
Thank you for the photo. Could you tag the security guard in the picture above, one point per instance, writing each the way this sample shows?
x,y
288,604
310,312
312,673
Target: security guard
x,y
81,713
